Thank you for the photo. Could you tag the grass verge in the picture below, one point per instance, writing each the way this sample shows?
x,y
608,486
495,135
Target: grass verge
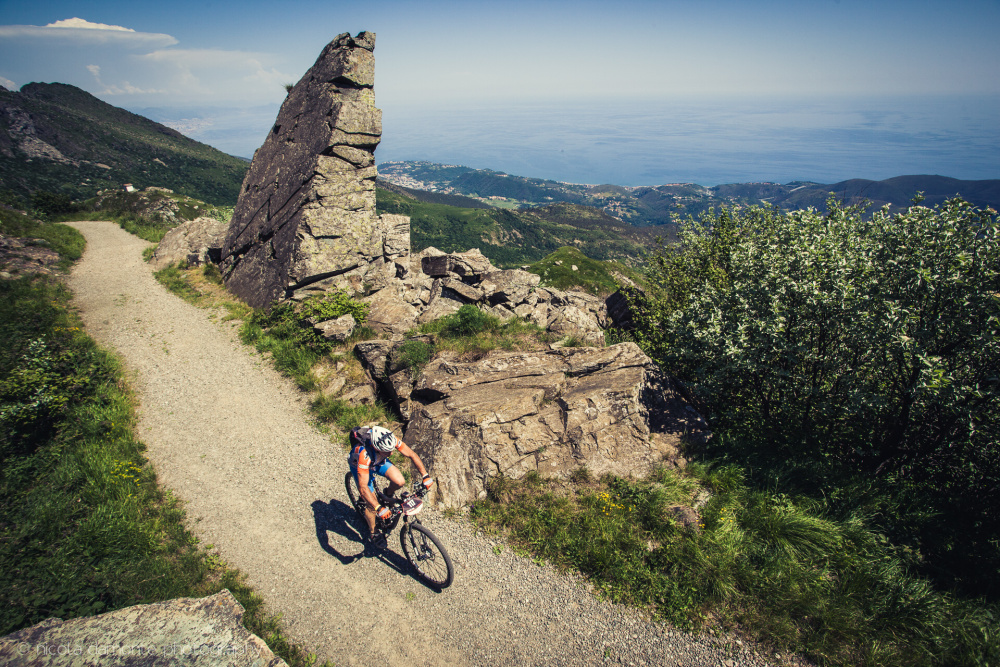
x,y
776,567
66,241
84,528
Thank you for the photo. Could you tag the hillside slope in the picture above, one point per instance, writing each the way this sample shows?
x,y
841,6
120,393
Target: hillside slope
x,y
642,206
62,139
512,238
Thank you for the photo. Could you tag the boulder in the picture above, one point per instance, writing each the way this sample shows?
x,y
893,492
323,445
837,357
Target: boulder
x,y
394,230
400,386
509,413
460,291
439,307
466,265
337,330
373,354
306,211
361,395
390,312
194,242
509,287
186,631
572,321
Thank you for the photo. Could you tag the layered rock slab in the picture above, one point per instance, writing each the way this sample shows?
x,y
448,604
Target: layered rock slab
x,y
609,409
306,211
205,632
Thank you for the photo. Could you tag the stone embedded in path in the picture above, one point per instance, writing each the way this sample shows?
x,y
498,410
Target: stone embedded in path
x,y
306,212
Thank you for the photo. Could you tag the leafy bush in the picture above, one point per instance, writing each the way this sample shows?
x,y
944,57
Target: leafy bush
x,y
846,348
468,321
332,305
50,204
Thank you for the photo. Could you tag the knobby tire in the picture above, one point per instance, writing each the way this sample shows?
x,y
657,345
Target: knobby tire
x,y
426,555
354,494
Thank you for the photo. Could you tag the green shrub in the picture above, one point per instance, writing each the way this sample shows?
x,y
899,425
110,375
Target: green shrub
x,y
468,321
835,348
50,204
333,305
346,416
414,354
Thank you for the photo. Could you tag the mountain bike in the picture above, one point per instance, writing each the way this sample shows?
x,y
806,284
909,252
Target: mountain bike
x,y
422,548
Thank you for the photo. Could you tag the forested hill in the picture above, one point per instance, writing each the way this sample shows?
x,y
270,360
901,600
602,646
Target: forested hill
x,y
59,138
641,206
512,238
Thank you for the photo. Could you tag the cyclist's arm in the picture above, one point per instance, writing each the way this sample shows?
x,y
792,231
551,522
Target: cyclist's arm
x,y
412,455
366,493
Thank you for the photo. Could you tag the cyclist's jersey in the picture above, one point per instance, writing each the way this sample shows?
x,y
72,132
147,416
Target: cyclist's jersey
x,y
364,458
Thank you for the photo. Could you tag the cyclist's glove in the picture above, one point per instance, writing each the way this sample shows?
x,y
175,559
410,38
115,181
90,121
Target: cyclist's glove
x,y
428,481
383,513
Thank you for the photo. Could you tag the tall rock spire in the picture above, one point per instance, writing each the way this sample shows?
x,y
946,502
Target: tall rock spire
x,y
306,212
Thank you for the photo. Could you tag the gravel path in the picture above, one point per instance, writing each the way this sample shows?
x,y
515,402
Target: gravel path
x,y
232,439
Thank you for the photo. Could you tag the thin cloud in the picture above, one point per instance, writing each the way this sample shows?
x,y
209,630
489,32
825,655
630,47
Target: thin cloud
x,y
125,88
80,31
7,83
192,65
82,23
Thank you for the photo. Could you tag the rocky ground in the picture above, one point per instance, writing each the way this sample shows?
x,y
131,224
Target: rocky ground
x,y
232,439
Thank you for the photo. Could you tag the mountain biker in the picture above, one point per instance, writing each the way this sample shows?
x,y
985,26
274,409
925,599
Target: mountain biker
x,y
370,450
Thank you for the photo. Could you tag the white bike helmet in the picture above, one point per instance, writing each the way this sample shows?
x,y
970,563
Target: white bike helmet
x,y
382,439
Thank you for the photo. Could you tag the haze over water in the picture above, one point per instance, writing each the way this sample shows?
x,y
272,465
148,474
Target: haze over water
x,y
709,140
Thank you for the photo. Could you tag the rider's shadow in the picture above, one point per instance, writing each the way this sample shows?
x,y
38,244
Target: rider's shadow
x,y
340,518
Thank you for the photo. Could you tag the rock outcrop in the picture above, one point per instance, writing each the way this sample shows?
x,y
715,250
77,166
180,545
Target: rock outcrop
x,y
609,409
306,212
187,631
20,257
194,242
431,284
305,223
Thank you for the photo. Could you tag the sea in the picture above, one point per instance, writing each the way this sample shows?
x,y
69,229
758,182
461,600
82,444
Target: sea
x,y
609,139
708,141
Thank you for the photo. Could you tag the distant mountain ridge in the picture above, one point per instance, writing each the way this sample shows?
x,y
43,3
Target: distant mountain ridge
x,y
668,204
60,138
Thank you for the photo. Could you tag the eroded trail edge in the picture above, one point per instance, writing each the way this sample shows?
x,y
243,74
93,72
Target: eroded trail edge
x,y
232,439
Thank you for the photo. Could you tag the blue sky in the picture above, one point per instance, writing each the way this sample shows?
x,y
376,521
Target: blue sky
x,y
216,69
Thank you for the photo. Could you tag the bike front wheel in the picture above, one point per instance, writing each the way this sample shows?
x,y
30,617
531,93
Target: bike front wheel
x,y
354,494
428,557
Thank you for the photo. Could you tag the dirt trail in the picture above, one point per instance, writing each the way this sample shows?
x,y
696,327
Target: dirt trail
x,y
232,439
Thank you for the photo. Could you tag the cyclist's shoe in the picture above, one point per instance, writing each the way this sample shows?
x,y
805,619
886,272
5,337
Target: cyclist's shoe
x,y
378,541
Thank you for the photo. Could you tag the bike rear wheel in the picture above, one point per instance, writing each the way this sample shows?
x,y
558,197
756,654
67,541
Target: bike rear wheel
x,y
426,555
